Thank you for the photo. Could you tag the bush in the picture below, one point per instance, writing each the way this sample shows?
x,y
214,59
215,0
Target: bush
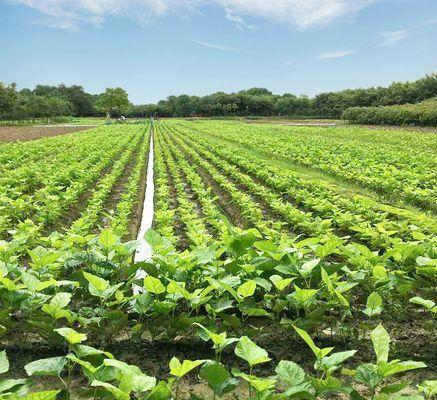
x,y
421,114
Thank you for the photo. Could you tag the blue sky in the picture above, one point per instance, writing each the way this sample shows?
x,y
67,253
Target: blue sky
x,y
155,48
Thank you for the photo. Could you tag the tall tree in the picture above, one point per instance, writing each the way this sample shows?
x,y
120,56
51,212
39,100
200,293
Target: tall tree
x,y
114,101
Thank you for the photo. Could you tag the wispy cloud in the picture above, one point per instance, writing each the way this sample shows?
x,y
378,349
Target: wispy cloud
x,y
302,14
337,54
392,38
239,21
216,46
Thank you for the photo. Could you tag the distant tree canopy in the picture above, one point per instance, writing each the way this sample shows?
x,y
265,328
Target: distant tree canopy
x,y
113,102
49,101
261,102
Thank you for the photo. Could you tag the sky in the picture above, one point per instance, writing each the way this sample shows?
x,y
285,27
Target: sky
x,y
158,48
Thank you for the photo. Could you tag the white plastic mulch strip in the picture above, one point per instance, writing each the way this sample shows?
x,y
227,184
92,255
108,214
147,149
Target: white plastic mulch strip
x,y
144,250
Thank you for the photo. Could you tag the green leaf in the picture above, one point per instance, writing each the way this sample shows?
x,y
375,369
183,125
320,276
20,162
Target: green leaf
x,y
395,367
31,281
429,388
428,304
247,289
307,268
368,374
153,285
373,305
394,387
95,282
281,283
107,239
115,391
44,395
14,386
319,353
374,300
259,384
218,378
61,300
290,373
249,351
160,392
381,343
46,367
335,359
71,335
180,369
4,363
85,364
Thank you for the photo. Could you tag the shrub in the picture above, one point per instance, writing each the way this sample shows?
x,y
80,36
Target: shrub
x,y
421,114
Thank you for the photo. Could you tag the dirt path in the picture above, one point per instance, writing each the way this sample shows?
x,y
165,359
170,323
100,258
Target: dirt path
x,y
26,133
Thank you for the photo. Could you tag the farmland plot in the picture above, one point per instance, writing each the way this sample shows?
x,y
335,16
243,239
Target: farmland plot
x,y
272,246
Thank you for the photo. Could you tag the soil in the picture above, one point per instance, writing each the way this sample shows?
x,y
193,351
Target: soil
x,y
409,341
26,133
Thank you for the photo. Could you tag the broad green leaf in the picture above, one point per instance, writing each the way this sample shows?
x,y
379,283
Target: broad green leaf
x,y
160,392
319,353
71,335
307,268
99,284
85,364
4,363
374,300
429,388
373,305
14,386
259,384
107,239
396,367
249,351
115,391
46,367
179,369
218,378
290,373
153,285
381,343
247,289
428,304
368,374
61,299
335,359
31,281
44,395
281,283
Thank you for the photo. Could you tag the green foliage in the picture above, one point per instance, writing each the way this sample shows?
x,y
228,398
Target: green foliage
x,y
421,114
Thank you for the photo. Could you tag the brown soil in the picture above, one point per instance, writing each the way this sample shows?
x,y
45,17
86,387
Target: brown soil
x,y
26,133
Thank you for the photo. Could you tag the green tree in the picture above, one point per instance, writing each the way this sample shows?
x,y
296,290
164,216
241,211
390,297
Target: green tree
x,y
114,101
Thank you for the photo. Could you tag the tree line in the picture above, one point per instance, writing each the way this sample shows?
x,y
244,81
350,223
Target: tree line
x,y
50,101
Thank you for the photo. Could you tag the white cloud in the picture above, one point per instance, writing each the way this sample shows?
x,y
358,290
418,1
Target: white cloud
x,y
239,21
392,38
337,54
216,46
302,14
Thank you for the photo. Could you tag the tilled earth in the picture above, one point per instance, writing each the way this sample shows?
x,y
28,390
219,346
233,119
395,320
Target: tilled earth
x,y
25,133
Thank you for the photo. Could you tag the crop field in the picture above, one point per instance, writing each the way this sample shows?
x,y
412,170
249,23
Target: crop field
x,y
289,262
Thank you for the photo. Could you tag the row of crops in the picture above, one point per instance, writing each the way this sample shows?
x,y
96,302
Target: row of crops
x,y
287,264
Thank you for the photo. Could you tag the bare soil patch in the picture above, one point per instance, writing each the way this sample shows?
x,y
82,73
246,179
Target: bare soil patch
x,y
26,133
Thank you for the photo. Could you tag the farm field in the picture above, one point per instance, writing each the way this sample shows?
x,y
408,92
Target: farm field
x,y
25,133
288,263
